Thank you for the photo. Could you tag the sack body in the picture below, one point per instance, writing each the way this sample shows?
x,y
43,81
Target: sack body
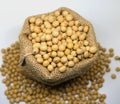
x,y
36,71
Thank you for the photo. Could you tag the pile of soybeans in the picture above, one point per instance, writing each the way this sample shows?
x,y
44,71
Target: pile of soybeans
x,y
59,41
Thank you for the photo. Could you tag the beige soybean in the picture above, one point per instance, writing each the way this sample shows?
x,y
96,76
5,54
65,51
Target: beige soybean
x,y
60,19
60,54
50,68
37,29
113,76
59,64
64,59
45,63
54,54
63,28
32,19
67,51
117,57
117,69
62,69
69,17
64,13
75,59
86,28
48,37
71,63
57,13
54,47
70,57
62,47
82,37
86,54
43,47
54,40
45,56
69,32
38,21
70,45
33,35
55,23
79,51
40,60
55,33
93,49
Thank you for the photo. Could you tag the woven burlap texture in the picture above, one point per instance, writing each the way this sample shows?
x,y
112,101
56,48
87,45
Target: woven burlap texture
x,y
36,71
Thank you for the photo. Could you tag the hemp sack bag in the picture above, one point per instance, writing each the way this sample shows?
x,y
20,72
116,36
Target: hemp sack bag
x,y
36,71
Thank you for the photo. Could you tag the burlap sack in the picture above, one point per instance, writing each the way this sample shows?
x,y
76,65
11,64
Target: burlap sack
x,y
38,72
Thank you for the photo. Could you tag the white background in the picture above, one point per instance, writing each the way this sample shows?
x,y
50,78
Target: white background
x,y
103,14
